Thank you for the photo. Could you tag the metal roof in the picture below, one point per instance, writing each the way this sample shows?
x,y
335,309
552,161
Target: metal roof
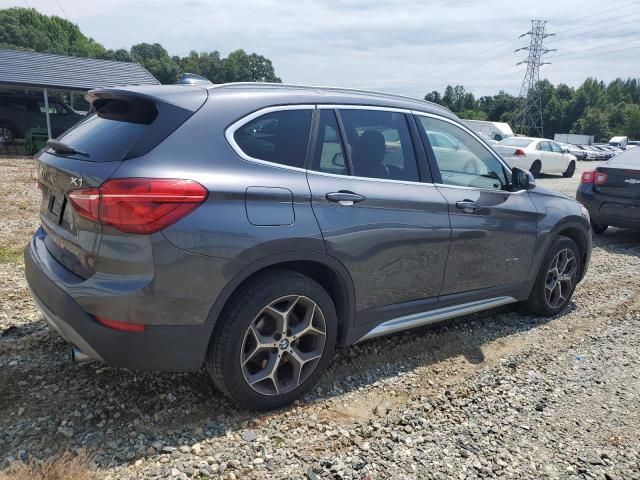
x,y
45,70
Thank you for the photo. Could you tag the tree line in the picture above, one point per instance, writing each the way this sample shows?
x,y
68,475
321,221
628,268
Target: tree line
x,y
27,29
593,108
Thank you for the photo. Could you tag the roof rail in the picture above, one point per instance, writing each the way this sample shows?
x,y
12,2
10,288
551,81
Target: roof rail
x,y
333,89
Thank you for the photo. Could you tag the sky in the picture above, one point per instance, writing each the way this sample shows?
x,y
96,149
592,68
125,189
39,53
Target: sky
x,y
409,47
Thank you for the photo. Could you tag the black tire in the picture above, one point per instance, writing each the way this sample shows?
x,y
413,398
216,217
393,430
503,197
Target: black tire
x,y
232,330
7,135
571,169
599,228
537,302
536,168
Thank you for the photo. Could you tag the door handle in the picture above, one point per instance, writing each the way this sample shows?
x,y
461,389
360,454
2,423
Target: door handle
x,y
344,197
468,206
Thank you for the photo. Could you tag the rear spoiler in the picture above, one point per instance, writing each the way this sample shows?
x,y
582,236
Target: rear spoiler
x,y
174,105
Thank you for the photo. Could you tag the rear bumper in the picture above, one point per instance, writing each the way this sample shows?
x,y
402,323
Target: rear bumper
x,y
608,210
158,347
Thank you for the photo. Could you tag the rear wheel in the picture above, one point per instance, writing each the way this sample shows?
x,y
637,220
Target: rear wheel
x,y
274,340
536,168
599,228
571,169
556,279
6,134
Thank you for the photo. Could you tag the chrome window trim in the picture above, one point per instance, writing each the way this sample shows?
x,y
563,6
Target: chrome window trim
x,y
363,107
233,128
482,142
368,179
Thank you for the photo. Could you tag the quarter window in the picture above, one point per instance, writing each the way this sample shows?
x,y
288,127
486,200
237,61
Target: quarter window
x,y
278,137
462,160
380,144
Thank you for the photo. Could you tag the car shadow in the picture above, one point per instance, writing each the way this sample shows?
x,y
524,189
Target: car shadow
x,y
50,405
619,240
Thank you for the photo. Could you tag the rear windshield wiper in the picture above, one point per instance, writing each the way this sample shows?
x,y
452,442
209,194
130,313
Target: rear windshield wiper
x,y
61,147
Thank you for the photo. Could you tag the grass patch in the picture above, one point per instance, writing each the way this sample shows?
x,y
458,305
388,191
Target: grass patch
x,y
10,255
68,466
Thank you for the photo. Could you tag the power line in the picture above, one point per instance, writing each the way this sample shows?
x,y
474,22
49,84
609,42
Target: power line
x,y
63,12
601,12
609,27
566,60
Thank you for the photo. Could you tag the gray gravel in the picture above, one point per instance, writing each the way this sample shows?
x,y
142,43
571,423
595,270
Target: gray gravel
x,y
494,394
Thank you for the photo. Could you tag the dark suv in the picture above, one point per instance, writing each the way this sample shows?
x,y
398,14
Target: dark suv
x,y
19,112
251,228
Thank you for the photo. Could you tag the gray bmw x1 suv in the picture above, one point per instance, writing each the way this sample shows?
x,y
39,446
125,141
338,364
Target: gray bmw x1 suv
x,y
252,228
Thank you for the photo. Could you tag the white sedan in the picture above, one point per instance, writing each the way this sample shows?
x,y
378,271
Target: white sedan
x,y
538,155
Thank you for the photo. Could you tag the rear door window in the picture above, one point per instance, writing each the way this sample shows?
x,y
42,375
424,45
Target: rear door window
x,y
279,137
380,144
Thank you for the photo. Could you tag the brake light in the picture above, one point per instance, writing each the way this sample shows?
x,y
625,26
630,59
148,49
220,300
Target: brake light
x,y
519,153
600,178
587,177
597,178
123,326
139,205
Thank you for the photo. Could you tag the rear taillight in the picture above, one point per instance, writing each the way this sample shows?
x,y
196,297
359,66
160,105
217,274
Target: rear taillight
x,y
597,178
139,205
587,177
519,153
600,178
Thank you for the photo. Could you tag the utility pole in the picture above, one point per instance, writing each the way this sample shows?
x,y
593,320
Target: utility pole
x,y
529,120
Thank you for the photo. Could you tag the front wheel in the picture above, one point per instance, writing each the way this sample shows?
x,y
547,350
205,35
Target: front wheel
x,y
571,169
274,340
556,279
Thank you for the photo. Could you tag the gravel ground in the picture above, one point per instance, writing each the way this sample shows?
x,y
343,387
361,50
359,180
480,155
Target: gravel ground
x,y
494,394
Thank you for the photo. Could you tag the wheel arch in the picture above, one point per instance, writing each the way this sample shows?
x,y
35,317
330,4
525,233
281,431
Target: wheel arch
x,y
324,269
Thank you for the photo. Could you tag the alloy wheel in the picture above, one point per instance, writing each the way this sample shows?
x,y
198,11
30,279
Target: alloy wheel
x,y
283,345
561,277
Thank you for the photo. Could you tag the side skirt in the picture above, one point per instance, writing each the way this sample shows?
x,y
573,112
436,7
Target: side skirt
x,y
425,318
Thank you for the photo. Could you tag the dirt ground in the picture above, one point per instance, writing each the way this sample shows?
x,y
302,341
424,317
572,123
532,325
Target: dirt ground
x,y
495,394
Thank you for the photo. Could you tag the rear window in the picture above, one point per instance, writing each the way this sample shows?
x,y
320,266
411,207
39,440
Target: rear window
x,y
515,142
278,137
627,158
112,130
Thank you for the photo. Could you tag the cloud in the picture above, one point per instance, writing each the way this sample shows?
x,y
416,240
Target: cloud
x,y
407,47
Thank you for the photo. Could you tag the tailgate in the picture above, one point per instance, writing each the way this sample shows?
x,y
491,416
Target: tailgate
x,y
621,182
71,239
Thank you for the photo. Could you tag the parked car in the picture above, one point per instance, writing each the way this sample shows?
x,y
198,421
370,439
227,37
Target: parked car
x,y
611,192
606,151
598,155
251,228
589,154
19,112
574,150
538,155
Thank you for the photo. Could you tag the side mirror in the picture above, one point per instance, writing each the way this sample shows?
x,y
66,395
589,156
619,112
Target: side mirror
x,y
566,150
522,179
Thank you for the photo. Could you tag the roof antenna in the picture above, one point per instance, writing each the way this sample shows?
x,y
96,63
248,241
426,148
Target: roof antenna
x,y
193,79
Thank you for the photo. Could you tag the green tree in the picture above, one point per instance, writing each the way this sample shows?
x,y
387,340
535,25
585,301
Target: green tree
x,y
593,122
632,121
26,28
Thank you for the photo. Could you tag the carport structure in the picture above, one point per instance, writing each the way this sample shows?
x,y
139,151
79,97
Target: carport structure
x,y
28,72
